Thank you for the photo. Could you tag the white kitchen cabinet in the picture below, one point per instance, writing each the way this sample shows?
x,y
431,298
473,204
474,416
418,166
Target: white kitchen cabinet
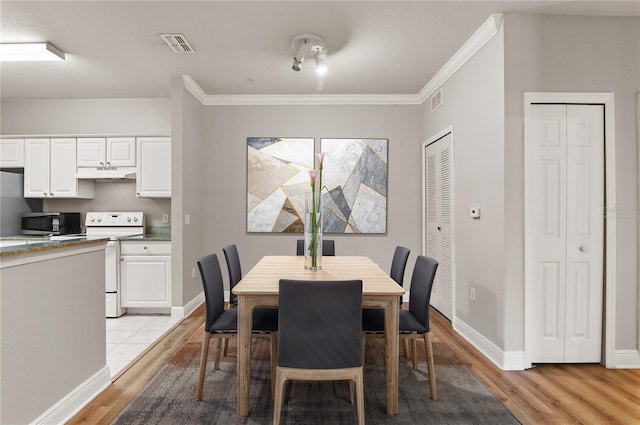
x,y
106,152
145,274
49,170
153,169
11,153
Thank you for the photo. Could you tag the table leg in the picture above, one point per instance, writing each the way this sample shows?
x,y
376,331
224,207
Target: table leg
x,y
392,337
245,315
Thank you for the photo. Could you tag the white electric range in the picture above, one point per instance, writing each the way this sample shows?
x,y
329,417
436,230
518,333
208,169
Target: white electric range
x,y
115,226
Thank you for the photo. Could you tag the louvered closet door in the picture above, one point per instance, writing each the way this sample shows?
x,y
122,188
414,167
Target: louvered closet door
x,y
438,217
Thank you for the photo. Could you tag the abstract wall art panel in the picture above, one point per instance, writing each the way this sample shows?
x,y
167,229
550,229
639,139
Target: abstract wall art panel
x,y
277,178
355,185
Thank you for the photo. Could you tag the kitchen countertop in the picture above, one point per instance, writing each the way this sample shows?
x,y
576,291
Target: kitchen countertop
x,y
153,233
147,237
30,246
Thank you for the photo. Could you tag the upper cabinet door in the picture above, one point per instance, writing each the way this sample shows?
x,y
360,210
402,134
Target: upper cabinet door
x,y
92,152
63,183
121,151
11,153
36,170
153,172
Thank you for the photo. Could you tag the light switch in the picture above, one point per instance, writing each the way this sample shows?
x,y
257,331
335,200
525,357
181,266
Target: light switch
x,y
187,219
475,212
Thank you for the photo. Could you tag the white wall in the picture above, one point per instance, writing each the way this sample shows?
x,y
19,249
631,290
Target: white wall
x,y
139,117
224,160
574,54
473,103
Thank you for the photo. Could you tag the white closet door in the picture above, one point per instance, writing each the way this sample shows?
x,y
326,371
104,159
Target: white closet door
x,y
565,204
438,220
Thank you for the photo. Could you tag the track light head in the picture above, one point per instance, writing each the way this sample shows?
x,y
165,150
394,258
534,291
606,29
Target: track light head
x,y
309,45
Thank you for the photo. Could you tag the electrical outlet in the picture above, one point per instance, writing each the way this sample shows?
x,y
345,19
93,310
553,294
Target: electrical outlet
x,y
187,219
193,273
165,218
472,293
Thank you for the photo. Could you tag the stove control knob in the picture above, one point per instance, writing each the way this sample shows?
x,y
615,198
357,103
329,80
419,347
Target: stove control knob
x,y
99,219
93,219
135,219
129,219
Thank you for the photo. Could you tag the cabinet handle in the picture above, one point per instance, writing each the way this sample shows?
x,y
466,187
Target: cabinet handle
x,y
108,164
44,193
51,194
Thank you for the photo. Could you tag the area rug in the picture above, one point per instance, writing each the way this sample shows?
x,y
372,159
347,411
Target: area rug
x,y
169,397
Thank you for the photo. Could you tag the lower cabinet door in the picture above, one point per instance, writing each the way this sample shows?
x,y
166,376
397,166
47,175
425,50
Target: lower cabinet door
x,y
145,281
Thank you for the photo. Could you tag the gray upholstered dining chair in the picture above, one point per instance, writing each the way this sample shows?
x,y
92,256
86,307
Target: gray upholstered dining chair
x,y
413,323
328,247
319,336
398,266
235,271
221,324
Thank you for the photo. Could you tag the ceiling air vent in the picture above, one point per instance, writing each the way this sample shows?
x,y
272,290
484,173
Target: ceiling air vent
x,y
436,100
178,43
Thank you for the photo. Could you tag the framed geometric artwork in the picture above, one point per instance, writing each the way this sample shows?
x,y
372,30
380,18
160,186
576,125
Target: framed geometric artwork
x,y
277,179
355,185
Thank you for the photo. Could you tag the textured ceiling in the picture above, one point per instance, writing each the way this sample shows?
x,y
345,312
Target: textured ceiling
x,y
114,48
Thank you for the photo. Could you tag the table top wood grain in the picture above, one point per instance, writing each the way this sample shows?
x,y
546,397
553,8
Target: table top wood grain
x,y
264,277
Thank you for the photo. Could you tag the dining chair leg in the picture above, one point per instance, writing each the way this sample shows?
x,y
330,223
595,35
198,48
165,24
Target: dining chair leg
x,y
277,401
352,391
414,351
431,365
203,363
273,353
216,361
359,382
364,347
405,348
225,344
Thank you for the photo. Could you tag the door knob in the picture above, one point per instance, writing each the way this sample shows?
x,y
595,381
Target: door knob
x,y
582,248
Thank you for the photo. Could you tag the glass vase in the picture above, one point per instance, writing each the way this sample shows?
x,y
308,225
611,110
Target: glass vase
x,y
313,231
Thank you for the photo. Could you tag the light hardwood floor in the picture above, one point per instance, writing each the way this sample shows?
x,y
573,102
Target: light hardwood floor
x,y
547,394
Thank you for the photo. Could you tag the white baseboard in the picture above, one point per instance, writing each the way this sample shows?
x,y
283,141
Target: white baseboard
x,y
188,308
626,359
71,404
505,360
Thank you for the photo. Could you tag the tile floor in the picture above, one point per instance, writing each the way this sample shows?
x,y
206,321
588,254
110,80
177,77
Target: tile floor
x,y
130,335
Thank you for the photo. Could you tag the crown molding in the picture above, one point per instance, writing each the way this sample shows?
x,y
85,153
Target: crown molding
x,y
487,30
482,35
317,99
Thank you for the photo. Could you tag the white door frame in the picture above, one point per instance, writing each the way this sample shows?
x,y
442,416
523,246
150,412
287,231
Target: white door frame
x,y
609,326
439,135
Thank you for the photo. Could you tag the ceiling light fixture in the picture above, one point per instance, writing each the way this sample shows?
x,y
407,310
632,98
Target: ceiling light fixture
x,y
309,45
42,51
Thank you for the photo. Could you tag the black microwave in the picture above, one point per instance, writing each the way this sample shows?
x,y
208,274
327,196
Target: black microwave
x,y
48,223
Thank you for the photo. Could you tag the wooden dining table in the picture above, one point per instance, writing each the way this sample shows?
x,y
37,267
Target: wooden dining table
x,y
259,288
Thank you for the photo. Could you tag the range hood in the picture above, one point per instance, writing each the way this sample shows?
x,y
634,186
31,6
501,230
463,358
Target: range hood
x,y
122,173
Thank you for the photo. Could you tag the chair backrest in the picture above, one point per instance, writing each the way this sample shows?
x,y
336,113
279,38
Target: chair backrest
x,y
421,283
233,265
213,290
320,324
328,247
399,263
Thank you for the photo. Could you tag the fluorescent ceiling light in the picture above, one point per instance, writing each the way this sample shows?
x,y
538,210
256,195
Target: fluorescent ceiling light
x,y
30,52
